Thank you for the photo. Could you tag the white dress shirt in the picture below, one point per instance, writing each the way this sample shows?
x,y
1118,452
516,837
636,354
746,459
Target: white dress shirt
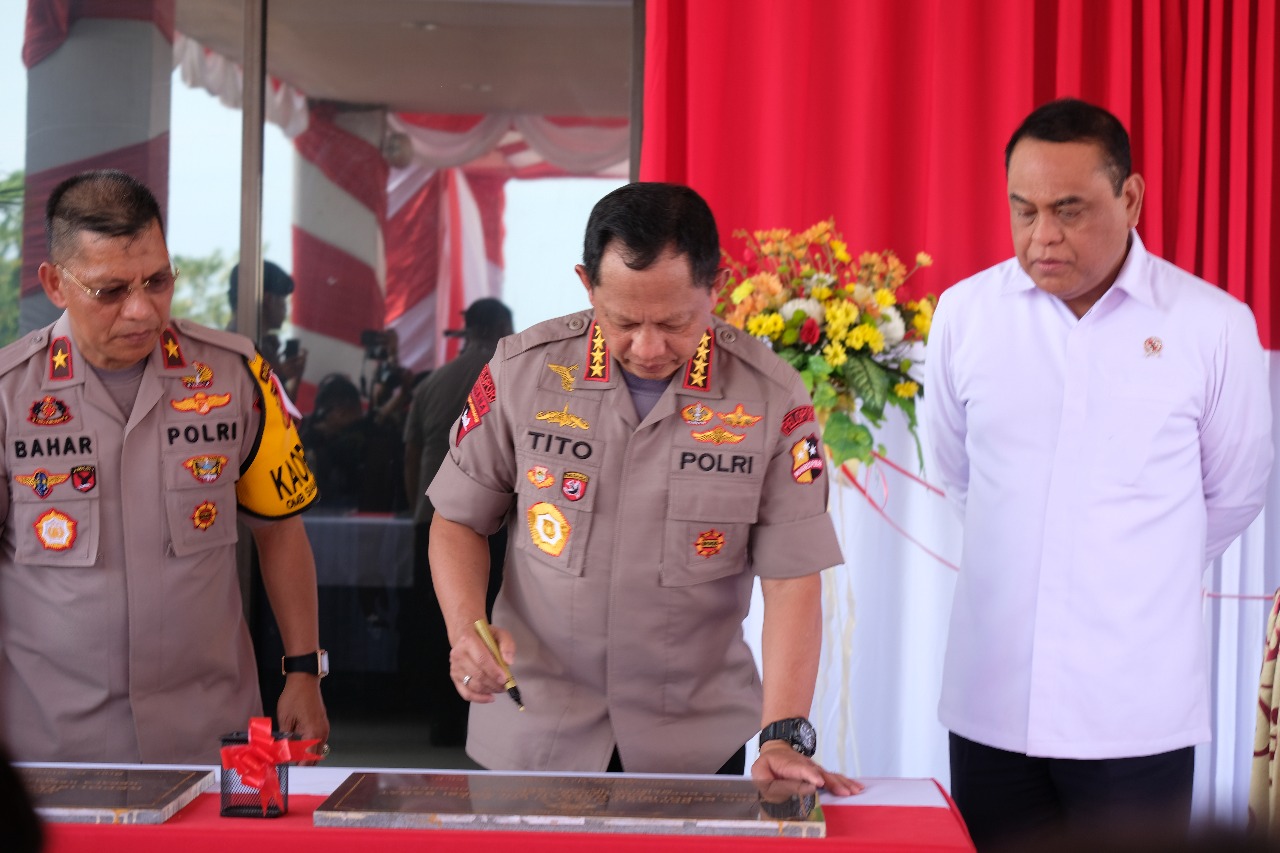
x,y
1098,464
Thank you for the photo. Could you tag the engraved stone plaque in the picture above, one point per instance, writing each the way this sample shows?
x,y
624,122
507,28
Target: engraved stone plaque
x,y
111,795
675,805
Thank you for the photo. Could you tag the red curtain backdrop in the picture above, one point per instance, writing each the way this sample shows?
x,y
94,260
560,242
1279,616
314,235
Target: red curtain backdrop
x,y
892,116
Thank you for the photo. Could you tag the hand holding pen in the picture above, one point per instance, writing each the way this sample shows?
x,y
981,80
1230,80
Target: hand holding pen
x,y
482,628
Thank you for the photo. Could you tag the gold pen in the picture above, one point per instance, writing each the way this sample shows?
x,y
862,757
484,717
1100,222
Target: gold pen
x,y
482,628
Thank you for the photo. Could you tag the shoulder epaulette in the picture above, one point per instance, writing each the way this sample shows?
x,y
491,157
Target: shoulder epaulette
x,y
548,331
21,350
226,340
755,354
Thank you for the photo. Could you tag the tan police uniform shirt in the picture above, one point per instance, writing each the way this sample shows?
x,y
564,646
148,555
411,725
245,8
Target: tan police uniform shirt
x,y
121,630
633,544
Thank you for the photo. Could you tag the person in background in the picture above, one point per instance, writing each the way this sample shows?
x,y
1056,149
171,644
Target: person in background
x,y
437,400
650,462
1101,419
289,362
132,442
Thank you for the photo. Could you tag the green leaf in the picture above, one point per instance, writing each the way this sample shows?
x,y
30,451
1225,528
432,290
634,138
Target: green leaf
x,y
824,395
871,384
846,440
819,366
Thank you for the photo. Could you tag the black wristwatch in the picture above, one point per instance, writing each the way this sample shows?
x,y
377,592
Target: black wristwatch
x,y
796,731
315,663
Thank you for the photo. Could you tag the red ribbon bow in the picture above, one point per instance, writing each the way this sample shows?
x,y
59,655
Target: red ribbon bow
x,y
256,760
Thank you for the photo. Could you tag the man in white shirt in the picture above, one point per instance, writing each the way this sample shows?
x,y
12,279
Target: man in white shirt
x,y
1102,421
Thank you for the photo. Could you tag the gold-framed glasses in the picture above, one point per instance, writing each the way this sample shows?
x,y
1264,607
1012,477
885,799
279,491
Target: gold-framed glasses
x,y
158,285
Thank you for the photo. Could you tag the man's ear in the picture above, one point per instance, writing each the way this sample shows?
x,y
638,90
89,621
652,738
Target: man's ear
x,y
586,282
51,281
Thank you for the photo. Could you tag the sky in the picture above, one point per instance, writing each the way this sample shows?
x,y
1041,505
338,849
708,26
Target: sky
x,y
544,221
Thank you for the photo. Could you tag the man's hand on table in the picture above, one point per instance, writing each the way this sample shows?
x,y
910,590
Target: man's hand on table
x,y
779,761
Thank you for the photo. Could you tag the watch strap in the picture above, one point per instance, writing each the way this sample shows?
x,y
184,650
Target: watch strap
x,y
312,663
797,731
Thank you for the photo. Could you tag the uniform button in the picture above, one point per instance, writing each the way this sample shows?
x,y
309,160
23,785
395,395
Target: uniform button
x,y
727,336
38,338
576,323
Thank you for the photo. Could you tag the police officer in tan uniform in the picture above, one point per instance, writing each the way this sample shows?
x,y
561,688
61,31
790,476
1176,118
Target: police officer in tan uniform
x,y
131,443
650,461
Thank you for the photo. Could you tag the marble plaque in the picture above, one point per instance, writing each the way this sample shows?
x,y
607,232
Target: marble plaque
x,y
676,805
111,795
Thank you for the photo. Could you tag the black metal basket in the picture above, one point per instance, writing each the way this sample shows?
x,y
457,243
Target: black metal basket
x,y
241,800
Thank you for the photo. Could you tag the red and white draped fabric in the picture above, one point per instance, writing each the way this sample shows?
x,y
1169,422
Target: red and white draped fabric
x,y
64,136
445,210
895,124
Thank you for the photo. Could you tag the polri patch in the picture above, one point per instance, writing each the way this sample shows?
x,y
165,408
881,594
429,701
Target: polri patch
x,y
204,515
806,459
573,485
795,418
202,378
708,543
84,477
41,481
548,528
60,366
206,469
56,530
201,403
541,477
49,411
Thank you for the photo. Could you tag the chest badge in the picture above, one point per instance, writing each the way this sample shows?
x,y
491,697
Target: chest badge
x,y
548,528
204,515
41,481
206,469
717,435
708,543
540,477
565,374
739,418
563,418
49,411
84,477
696,414
56,530
806,460
202,378
574,485
1152,346
201,403
60,359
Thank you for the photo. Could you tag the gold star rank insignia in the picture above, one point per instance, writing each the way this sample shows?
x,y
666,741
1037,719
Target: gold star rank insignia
x,y
697,373
60,359
597,356
172,352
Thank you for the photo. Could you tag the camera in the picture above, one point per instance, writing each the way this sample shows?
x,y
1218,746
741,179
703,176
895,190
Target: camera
x,y
375,344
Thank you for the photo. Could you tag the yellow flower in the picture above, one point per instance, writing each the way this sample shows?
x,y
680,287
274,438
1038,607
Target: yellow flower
x,y
922,322
840,250
866,335
835,354
839,316
906,389
768,325
885,297
821,293
741,292
924,259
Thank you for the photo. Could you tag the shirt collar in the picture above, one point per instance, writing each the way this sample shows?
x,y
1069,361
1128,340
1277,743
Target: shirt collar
x,y
1132,279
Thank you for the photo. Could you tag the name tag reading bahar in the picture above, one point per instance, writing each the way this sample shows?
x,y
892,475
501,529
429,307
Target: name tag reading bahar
x,y
675,805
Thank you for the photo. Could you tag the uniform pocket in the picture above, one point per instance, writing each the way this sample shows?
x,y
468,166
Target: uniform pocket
x,y
707,530
55,514
200,500
554,502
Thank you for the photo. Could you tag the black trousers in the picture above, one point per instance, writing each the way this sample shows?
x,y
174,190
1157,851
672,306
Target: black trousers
x,y
1010,800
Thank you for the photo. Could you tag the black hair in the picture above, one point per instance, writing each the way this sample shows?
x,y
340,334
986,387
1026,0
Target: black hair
x,y
104,201
646,219
274,280
1073,120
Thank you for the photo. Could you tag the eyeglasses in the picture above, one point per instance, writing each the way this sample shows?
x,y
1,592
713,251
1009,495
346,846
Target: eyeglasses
x,y
157,285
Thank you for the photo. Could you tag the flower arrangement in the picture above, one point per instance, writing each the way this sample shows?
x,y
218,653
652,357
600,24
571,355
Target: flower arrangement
x,y
839,322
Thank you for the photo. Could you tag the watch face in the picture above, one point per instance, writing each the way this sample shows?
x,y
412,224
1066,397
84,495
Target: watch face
x,y
804,737
324,663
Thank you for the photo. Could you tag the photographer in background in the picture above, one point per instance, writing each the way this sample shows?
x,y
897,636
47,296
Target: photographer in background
x,y
290,362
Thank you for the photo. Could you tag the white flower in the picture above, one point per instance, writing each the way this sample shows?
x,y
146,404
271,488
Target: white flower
x,y
810,307
823,279
891,326
862,294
